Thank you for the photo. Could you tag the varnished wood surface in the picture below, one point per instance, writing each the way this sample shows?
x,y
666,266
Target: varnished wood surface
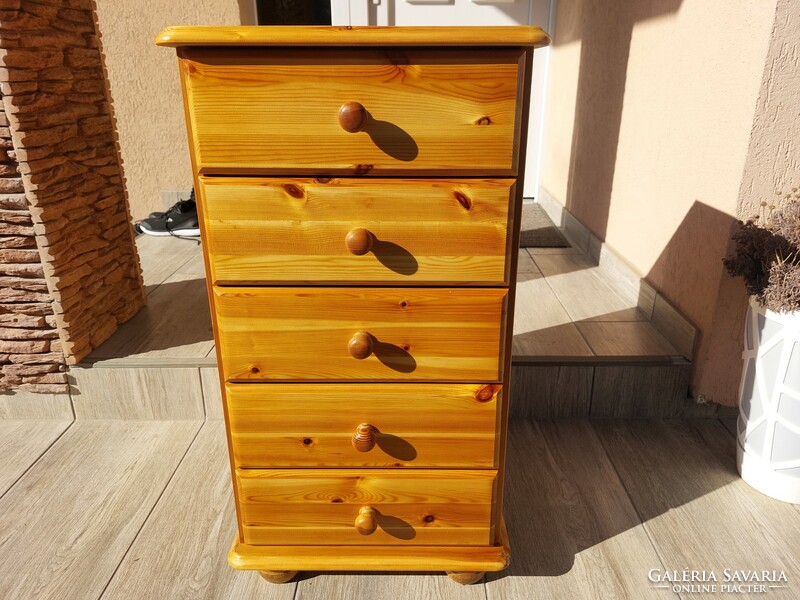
x,y
320,507
373,558
294,230
435,334
437,111
352,36
312,425
66,525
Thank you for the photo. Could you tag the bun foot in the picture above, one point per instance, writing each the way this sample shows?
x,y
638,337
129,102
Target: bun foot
x,y
278,576
466,577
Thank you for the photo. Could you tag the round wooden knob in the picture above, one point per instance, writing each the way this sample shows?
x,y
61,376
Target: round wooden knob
x,y
364,437
358,241
353,117
367,520
360,345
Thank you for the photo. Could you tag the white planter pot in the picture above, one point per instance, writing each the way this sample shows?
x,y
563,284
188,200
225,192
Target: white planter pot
x,y
768,453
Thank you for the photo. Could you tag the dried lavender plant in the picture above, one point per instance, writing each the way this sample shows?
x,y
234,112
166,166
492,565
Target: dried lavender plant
x,y
767,255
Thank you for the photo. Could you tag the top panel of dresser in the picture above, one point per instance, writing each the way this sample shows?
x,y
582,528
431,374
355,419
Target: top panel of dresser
x,y
426,111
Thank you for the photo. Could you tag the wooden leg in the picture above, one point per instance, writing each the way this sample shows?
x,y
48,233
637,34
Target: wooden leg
x,y
466,577
278,576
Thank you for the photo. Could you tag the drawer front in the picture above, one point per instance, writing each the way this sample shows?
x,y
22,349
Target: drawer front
x,y
443,111
376,506
357,230
413,334
363,425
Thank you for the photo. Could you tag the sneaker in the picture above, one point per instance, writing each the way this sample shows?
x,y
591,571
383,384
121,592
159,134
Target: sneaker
x,y
179,220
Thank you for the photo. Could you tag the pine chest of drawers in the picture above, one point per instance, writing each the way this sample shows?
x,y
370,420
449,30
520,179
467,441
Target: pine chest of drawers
x,y
359,192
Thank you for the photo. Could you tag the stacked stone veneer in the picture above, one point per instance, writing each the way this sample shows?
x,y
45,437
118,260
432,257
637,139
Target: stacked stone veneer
x,y
30,351
69,260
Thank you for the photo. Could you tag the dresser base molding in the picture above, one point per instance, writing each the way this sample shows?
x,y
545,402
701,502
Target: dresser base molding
x,y
451,559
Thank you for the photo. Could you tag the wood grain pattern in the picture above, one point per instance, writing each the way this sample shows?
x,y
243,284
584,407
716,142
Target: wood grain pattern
x,y
137,393
682,477
196,518
405,586
312,425
621,339
542,328
29,405
308,506
373,558
352,36
639,391
65,526
584,291
437,334
294,230
21,445
437,111
551,391
576,533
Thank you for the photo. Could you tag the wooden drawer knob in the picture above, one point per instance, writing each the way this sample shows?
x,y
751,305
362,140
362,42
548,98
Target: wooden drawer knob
x,y
358,241
364,437
353,117
360,345
367,520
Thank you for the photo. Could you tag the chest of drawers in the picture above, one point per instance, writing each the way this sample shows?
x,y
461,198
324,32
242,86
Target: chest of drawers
x,y
359,193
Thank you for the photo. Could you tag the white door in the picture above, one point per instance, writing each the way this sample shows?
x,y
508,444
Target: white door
x,y
467,12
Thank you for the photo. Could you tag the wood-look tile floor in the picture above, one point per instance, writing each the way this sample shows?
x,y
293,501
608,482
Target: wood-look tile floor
x,y
565,307
143,510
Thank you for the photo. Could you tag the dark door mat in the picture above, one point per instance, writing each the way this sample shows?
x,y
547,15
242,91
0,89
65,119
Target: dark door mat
x,y
537,230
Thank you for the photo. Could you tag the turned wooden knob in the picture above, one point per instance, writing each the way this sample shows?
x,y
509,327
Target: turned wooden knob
x,y
353,117
358,241
367,520
364,437
360,345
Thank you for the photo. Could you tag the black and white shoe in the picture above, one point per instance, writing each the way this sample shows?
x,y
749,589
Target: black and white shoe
x,y
180,220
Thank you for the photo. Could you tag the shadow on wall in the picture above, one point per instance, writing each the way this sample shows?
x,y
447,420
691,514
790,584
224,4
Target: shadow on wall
x,y
605,31
690,269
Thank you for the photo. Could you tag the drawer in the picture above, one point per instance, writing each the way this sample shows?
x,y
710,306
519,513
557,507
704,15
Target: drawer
x,y
442,111
357,230
439,334
376,506
363,424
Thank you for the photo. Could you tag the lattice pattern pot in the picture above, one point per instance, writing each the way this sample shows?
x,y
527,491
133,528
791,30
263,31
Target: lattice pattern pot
x,y
769,404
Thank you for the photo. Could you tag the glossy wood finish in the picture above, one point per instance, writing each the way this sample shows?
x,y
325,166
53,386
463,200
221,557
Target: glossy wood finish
x,y
438,334
312,424
352,36
338,506
398,557
431,111
427,113
357,230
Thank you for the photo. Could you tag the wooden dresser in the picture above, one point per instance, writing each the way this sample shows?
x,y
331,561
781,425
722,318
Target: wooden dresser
x,y
359,193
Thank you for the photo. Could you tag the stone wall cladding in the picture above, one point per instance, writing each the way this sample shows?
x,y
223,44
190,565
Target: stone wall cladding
x,y
54,95
30,350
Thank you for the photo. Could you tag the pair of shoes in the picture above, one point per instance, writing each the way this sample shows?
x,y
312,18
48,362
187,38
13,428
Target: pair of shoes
x,y
179,220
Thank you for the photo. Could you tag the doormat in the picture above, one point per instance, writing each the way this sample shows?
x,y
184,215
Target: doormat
x,y
537,230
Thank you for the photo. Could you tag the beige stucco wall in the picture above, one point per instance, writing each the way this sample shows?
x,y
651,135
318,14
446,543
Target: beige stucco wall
x,y
146,92
649,121
772,167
